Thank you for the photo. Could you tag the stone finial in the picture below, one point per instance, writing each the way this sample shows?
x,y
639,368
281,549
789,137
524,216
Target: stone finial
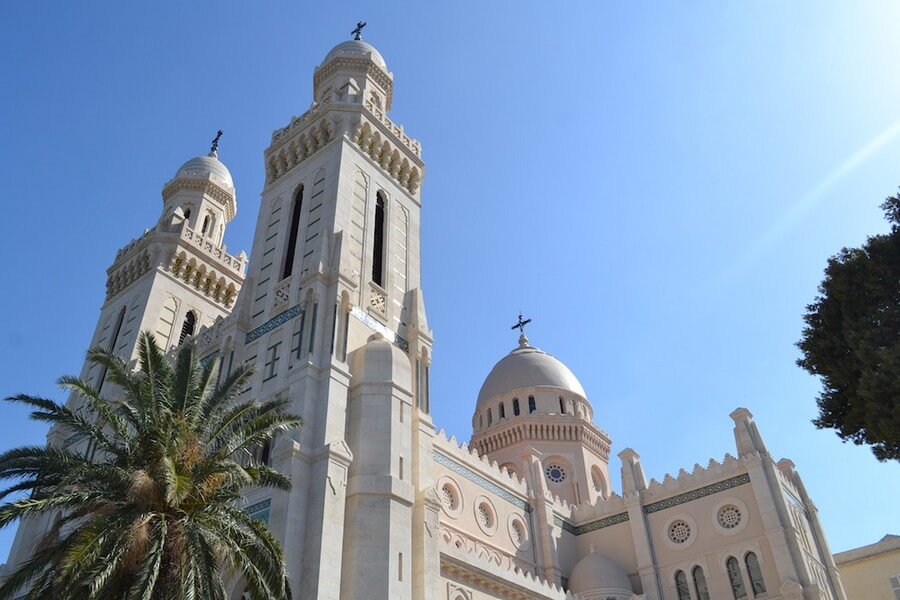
x,y
746,435
632,472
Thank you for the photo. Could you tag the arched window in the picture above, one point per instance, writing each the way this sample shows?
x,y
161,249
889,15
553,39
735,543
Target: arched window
x,y
531,405
756,579
516,407
700,584
681,586
562,406
293,233
502,411
735,578
480,422
205,225
378,241
188,328
187,213
490,417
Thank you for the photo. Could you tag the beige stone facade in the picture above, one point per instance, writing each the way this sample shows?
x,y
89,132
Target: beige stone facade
x,y
384,505
872,572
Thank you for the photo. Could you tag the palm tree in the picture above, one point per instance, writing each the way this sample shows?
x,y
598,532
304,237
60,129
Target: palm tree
x,y
148,508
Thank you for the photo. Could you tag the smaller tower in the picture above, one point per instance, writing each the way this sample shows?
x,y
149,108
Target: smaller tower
x,y
532,404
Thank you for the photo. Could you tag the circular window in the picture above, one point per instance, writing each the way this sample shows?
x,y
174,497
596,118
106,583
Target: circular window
x,y
556,473
679,531
485,517
516,533
448,497
729,516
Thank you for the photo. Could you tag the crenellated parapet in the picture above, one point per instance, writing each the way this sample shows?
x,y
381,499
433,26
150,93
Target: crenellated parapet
x,y
471,459
699,475
474,567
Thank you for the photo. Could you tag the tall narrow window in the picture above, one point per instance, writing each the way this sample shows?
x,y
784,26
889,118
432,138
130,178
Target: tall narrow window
x,y
490,417
292,234
515,407
502,411
531,406
114,337
756,579
700,584
735,578
188,327
378,242
562,406
681,586
270,369
205,227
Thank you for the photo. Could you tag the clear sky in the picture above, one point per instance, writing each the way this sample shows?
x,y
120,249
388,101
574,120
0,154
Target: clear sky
x,y
658,185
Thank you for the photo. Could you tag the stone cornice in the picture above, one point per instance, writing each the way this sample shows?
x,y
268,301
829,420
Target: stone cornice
x,y
205,186
530,428
381,77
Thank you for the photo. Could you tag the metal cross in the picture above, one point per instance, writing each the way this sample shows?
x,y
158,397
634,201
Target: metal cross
x,y
521,324
357,33
215,143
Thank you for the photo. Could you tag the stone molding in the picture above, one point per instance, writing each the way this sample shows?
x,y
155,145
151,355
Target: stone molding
x,y
207,187
702,492
550,428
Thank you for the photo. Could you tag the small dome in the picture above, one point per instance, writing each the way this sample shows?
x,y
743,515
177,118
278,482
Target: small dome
x,y
380,361
596,572
356,49
527,367
202,167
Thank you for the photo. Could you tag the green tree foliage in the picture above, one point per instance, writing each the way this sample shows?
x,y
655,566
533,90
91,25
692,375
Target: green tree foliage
x,y
852,341
148,507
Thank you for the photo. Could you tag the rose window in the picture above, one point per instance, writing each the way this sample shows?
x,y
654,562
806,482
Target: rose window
x,y
556,473
679,531
729,516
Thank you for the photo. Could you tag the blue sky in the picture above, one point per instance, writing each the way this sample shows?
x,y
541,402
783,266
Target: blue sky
x,y
657,186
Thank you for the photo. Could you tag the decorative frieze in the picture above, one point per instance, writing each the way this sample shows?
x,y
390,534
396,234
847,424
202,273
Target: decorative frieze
x,y
273,323
375,324
481,481
260,510
592,526
702,492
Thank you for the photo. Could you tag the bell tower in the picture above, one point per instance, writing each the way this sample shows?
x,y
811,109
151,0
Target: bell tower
x,y
333,317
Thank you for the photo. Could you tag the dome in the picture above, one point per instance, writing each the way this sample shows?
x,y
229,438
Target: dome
x,y
380,361
527,367
356,49
596,572
202,167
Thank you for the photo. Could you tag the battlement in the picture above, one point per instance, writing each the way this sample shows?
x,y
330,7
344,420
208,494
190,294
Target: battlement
x,y
699,475
465,563
460,452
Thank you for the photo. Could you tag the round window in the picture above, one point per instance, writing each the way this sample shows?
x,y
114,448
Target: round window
x,y
448,496
729,516
679,531
516,533
556,473
485,516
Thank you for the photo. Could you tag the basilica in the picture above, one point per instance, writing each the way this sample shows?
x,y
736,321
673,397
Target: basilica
x,y
329,310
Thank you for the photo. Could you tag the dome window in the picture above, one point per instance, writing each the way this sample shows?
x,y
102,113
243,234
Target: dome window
x,y
502,411
556,473
490,417
515,407
562,406
531,405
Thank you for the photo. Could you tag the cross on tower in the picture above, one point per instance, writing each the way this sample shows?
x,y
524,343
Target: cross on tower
x,y
214,149
521,324
357,33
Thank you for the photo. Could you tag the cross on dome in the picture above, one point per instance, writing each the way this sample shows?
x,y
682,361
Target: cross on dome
x,y
214,147
357,33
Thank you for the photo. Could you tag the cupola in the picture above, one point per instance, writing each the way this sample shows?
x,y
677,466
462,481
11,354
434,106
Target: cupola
x,y
354,72
531,402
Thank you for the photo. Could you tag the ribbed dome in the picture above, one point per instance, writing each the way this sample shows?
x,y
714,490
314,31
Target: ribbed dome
x,y
527,367
596,572
202,167
356,49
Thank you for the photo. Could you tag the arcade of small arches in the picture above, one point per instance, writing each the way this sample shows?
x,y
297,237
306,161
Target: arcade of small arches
x,y
206,281
299,149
